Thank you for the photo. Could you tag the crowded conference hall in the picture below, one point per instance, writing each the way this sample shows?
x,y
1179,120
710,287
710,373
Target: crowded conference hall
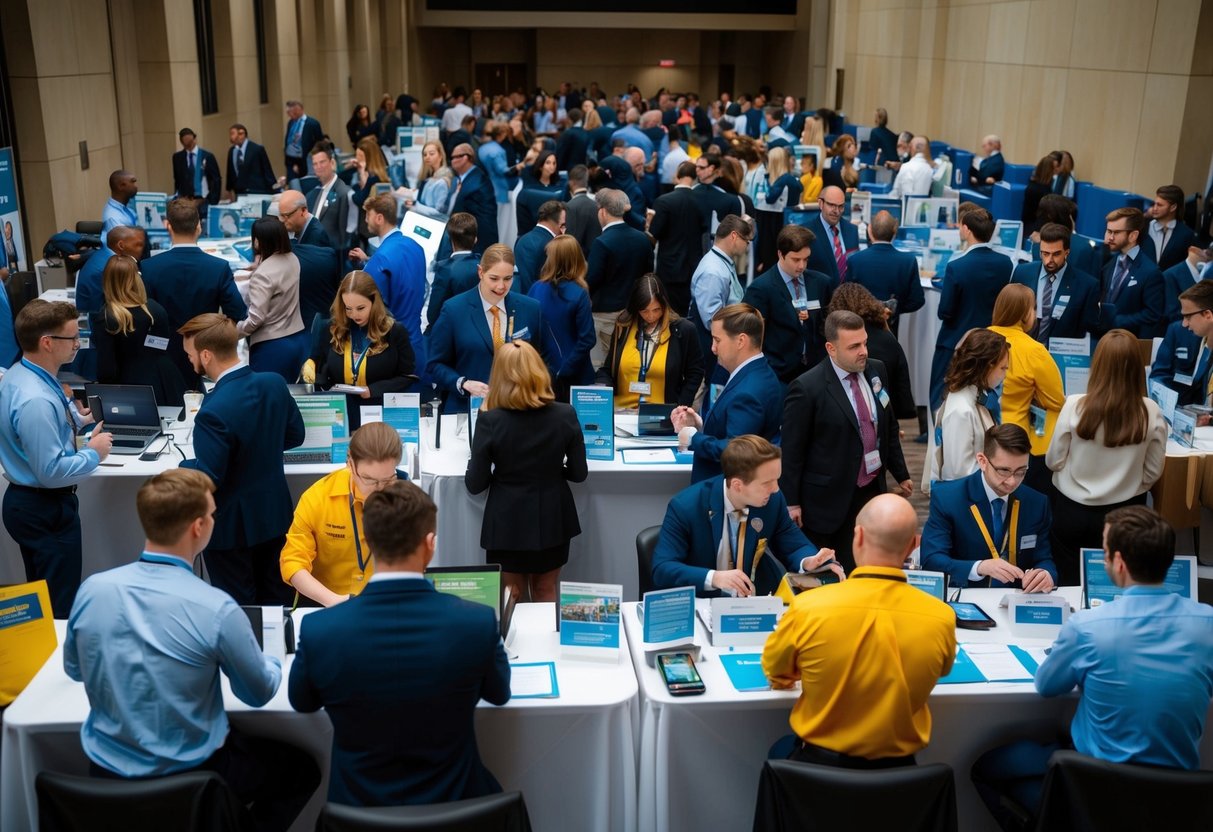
x,y
467,415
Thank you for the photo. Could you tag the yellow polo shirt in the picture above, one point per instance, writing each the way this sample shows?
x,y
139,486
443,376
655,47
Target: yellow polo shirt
x,y
867,652
321,539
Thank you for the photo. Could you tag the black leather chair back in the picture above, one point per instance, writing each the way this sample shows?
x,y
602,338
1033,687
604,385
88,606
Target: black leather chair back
x,y
646,544
494,813
192,802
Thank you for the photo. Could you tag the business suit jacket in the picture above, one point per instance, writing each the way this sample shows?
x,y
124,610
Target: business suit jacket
x,y
183,180
1081,315
187,282
581,221
256,175
571,148
319,277
569,329
619,175
311,133
694,525
1176,280
336,212
884,140
526,459
821,250
993,166
618,258
390,371
240,433
885,348
1141,301
786,337
970,287
127,359
476,198
1180,238
683,362
822,448
398,268
952,541
314,234
715,201
678,226
530,254
751,402
529,200
1180,354
461,344
401,701
452,276
888,273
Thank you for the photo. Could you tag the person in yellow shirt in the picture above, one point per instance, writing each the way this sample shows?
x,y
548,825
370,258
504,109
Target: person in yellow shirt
x,y
326,557
1032,392
867,652
810,179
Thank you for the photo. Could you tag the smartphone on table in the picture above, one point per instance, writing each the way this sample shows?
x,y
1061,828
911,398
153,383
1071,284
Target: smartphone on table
x,y
679,674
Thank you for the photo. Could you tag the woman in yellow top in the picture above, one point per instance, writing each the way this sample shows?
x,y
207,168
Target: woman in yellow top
x,y
1032,393
326,557
810,179
655,355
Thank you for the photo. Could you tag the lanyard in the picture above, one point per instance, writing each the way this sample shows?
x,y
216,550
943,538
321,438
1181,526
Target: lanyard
x,y
1008,536
898,578
356,366
362,564
164,560
646,356
54,385
732,265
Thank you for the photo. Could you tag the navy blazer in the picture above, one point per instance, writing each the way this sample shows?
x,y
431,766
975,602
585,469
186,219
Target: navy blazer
x,y
187,282
693,527
240,434
476,197
256,175
1081,315
952,541
621,177
1178,355
398,268
888,273
461,345
1176,250
786,337
312,132
336,212
452,276
821,250
678,226
970,287
571,147
714,199
993,166
530,254
570,326
1141,302
618,258
752,402
883,141
319,277
1176,280
183,180
401,701
315,235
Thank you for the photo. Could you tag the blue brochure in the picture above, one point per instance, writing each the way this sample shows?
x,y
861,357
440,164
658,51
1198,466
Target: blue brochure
x,y
589,615
595,408
745,671
668,614
964,671
402,411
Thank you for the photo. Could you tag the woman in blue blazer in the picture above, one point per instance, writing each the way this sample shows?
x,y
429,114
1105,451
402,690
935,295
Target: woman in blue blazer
x,y
565,300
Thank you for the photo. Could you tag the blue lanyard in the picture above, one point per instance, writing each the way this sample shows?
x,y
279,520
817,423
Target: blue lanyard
x,y
355,366
165,560
732,265
54,385
357,543
641,340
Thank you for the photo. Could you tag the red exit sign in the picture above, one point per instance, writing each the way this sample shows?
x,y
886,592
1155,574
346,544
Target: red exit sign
x,y
666,63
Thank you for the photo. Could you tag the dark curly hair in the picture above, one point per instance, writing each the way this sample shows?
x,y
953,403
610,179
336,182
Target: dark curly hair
x,y
855,297
973,359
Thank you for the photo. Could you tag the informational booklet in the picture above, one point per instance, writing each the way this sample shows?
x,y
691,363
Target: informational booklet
x,y
595,407
402,411
668,615
1073,358
649,456
1183,427
745,671
964,671
1166,399
533,680
741,622
588,620
997,663
27,636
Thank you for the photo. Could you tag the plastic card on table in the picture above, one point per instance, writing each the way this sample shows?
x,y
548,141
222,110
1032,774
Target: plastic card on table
x,y
744,622
745,671
27,636
589,621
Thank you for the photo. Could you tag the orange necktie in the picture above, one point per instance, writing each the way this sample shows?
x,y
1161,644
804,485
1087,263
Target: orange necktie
x,y
497,339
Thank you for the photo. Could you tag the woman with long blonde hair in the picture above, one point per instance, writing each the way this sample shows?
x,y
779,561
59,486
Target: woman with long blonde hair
x,y
434,182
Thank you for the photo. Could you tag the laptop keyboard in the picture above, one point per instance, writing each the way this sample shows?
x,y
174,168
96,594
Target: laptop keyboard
x,y
125,431
308,458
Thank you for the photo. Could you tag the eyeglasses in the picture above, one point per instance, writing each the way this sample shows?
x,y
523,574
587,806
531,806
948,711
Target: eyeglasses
x,y
837,206
1010,473
1115,231
291,212
1183,316
375,483
75,338
455,156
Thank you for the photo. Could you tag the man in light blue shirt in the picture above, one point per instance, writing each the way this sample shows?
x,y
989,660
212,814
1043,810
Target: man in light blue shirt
x,y
714,285
118,210
38,425
633,135
1143,665
148,641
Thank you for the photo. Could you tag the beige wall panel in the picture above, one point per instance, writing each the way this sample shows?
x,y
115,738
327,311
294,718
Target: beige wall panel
x,y
1100,123
1042,105
1050,30
1172,45
1008,32
1113,34
27,113
968,30
1154,162
1196,137
963,84
38,202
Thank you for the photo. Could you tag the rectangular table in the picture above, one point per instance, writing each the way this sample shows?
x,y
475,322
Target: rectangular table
x,y
572,757
701,756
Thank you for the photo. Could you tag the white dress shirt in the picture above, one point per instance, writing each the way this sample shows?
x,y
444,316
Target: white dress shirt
x,y
1161,234
914,178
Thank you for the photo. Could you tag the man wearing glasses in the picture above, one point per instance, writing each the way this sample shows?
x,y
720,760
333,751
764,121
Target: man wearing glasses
x,y
38,451
989,529
836,239
715,285
292,210
1133,287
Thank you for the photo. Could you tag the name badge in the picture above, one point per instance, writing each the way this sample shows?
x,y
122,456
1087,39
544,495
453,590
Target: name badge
x,y
1037,418
801,304
871,462
812,304
883,398
520,334
1028,541
1058,311
1132,281
155,342
1185,379
641,387
1064,300
1181,352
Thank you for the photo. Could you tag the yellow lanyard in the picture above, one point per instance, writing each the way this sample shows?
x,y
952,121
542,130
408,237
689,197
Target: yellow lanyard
x,y
1008,537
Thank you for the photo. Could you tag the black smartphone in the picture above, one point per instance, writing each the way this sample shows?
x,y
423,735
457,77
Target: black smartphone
x,y
94,407
969,616
679,674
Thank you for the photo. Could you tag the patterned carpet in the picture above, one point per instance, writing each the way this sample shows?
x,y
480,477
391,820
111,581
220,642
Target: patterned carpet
x,y
916,455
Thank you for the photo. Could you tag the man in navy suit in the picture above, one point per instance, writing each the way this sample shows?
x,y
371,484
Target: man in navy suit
x,y
573,143
248,166
1167,239
750,402
624,173
196,171
983,175
463,341
398,268
714,201
887,273
1134,292
329,202
835,240
678,226
618,258
319,277
1067,300
304,228
883,140
791,299
987,529
188,282
240,434
302,134
1183,361
457,273
1176,280
402,701
840,437
530,252
472,193
970,286
715,532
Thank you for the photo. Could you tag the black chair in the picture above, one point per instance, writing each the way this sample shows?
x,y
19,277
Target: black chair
x,y
1083,794
22,287
90,227
812,798
646,544
199,801
494,813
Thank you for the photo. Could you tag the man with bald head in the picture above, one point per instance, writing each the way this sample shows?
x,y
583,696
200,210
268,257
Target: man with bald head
x,y
118,210
473,193
125,240
867,653
990,170
293,211
835,239
914,177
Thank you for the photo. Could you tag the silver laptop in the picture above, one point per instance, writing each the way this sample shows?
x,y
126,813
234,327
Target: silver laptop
x,y
129,412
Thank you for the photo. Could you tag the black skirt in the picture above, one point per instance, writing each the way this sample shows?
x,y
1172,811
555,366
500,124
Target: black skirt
x,y
533,562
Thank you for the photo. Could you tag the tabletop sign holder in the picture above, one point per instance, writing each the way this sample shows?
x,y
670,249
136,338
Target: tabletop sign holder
x,y
588,618
1073,358
1037,615
667,622
742,622
595,407
27,636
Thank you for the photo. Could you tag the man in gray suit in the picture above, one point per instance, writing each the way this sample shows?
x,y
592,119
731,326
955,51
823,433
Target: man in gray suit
x,y
329,202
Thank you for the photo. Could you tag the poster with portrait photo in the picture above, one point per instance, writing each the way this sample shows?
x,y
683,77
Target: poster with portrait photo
x,y
935,212
12,238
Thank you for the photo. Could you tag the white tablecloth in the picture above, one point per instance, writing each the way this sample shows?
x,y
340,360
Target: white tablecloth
x,y
613,505
917,332
572,757
701,756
